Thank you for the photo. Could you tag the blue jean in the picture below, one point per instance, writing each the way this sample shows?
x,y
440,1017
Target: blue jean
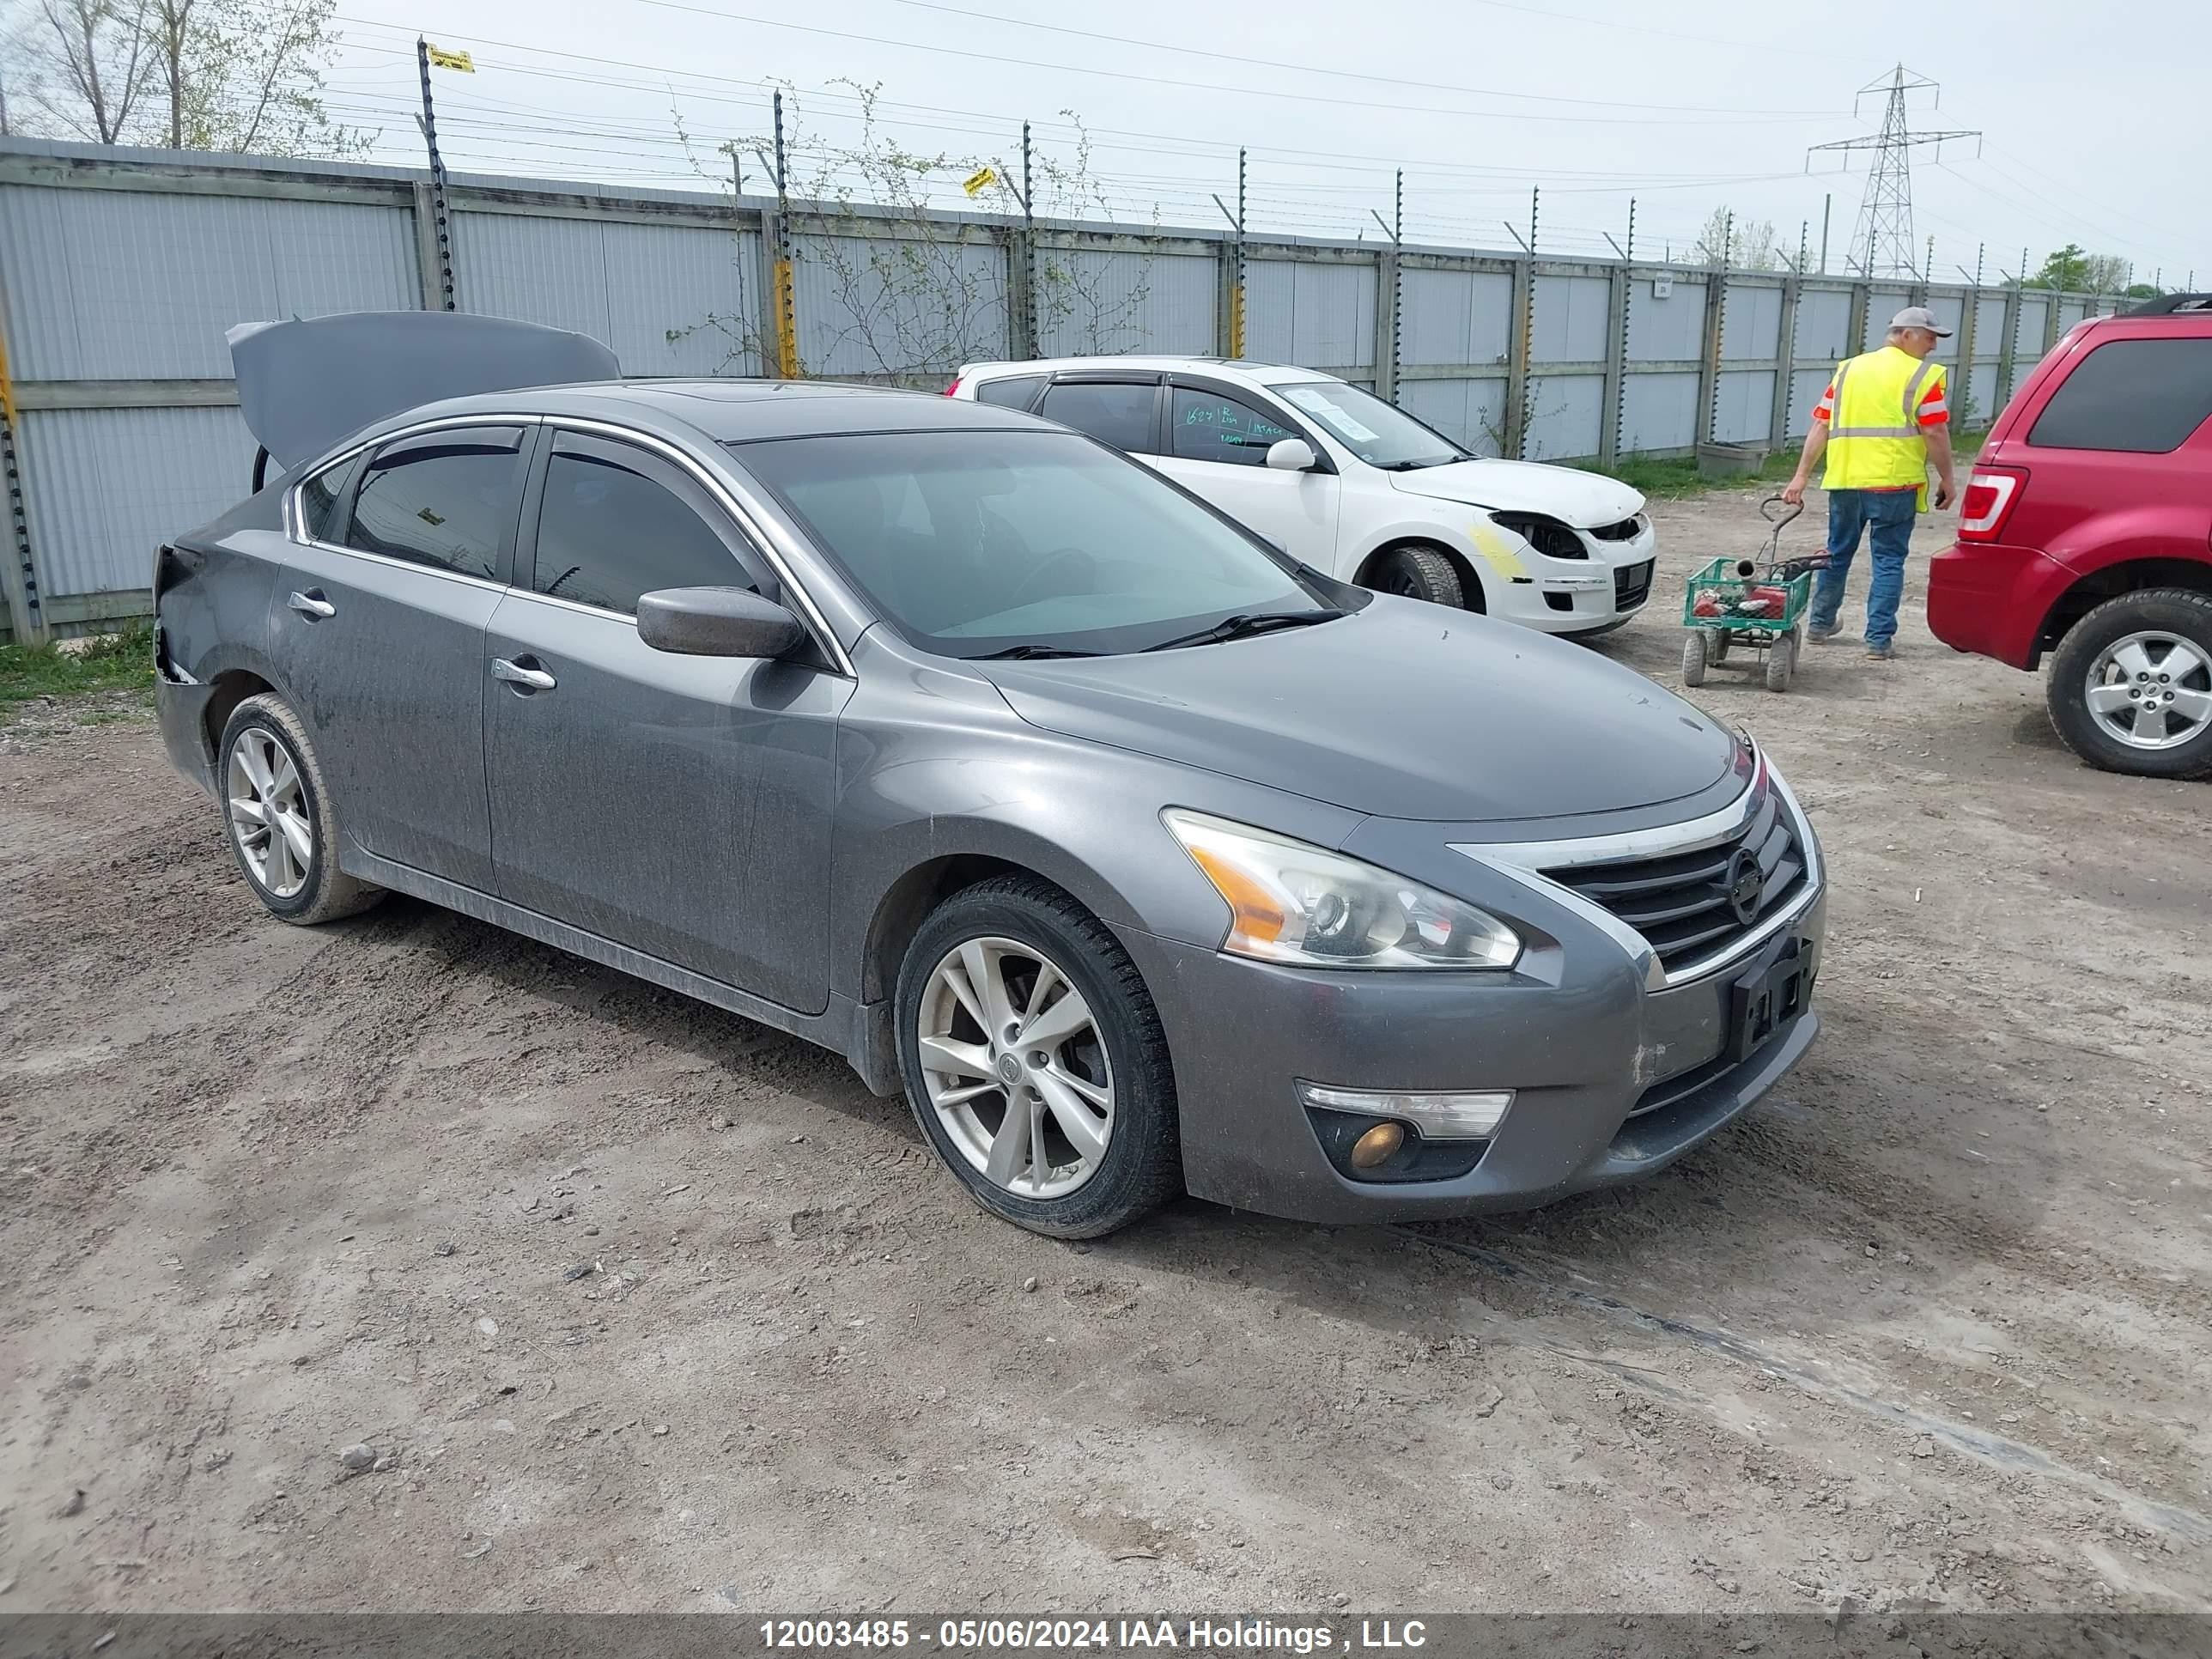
x,y
1885,516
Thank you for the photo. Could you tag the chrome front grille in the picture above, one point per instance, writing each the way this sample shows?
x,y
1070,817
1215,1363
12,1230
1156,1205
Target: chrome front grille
x,y
1693,906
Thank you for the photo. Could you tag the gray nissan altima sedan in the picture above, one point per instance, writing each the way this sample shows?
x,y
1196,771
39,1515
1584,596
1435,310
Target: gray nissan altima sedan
x,y
1141,859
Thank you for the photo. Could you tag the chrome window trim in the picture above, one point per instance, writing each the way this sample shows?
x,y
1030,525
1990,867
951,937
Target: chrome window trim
x,y
747,517
1525,862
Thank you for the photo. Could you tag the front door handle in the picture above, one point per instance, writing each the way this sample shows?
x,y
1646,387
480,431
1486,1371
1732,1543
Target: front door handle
x,y
522,675
312,605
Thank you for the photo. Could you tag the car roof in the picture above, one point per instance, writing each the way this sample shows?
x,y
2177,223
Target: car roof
x,y
733,411
1231,368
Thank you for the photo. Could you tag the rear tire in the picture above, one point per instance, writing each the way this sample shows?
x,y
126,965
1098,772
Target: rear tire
x,y
1110,1080
278,818
2166,630
1418,573
1694,657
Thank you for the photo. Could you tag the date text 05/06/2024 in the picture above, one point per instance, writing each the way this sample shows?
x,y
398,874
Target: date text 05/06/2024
x,y
1109,1635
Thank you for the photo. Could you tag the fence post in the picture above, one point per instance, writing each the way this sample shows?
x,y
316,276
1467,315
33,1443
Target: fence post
x,y
1021,293
430,263
1708,365
19,572
1785,365
2008,353
1021,273
1517,354
1387,317
1861,302
1616,365
1962,400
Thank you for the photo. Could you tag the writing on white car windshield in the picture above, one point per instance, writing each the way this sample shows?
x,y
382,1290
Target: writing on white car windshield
x,y
1382,435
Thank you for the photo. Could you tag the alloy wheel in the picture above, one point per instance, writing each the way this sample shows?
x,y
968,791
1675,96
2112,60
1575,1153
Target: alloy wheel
x,y
1016,1067
269,813
2151,689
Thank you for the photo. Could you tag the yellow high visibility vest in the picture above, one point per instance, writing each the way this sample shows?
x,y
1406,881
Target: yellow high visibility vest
x,y
1875,437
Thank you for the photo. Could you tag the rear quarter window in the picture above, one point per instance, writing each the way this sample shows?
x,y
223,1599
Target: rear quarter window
x,y
1010,391
2144,397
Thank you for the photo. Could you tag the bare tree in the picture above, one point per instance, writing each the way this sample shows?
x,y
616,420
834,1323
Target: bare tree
x,y
911,290
220,75
97,67
1740,243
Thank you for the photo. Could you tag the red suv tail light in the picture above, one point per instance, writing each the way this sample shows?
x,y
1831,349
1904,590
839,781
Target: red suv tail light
x,y
1991,494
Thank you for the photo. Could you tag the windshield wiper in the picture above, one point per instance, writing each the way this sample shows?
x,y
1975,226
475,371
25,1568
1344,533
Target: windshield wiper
x,y
1419,466
1242,626
1030,651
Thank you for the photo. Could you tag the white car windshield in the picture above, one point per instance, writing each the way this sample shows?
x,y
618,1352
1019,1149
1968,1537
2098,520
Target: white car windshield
x,y
1382,435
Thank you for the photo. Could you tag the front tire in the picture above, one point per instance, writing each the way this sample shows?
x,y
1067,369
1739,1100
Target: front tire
x,y
1418,573
2130,685
1781,661
278,818
1694,654
1035,1062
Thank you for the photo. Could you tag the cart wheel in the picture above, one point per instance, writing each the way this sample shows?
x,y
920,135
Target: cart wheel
x,y
1694,657
1717,646
1781,662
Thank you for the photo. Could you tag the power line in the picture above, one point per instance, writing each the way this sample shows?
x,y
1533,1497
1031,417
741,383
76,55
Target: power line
x,y
1346,75
1215,87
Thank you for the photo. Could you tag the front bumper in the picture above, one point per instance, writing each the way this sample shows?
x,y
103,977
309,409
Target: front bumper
x,y
1584,1050
1581,596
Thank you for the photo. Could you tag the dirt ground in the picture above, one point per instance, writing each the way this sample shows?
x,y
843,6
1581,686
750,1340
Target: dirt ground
x,y
636,1305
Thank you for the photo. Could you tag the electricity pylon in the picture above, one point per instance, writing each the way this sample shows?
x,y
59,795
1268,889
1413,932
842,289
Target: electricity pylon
x,y
1883,243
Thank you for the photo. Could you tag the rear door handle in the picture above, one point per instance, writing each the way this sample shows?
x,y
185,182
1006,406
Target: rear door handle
x,y
312,605
520,673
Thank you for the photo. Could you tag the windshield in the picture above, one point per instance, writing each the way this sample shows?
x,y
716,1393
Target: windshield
x,y
1035,542
1380,434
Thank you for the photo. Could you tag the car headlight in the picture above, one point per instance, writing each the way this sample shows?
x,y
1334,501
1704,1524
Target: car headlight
x,y
1294,902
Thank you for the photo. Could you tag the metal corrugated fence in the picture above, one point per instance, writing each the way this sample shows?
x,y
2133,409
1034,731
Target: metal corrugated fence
x,y
121,269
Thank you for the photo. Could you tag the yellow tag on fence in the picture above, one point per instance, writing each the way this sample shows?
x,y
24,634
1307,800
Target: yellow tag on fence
x,y
980,180
441,58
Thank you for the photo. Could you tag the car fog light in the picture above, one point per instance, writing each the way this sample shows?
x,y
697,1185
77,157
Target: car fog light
x,y
1377,1144
1438,1116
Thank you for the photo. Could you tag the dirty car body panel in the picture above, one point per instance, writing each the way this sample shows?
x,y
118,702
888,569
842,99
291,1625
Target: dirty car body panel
x,y
766,835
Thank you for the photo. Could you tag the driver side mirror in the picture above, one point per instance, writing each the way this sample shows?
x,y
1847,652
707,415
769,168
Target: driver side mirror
x,y
1292,455
716,622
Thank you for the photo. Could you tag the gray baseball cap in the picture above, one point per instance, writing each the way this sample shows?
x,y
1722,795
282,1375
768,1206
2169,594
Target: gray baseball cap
x,y
1920,317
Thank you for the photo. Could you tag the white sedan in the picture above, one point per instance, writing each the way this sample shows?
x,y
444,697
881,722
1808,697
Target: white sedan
x,y
1355,486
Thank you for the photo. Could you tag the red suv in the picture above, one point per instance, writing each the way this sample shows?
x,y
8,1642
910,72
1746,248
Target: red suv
x,y
2086,532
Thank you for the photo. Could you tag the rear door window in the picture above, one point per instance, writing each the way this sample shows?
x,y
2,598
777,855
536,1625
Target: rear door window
x,y
447,499
2141,396
1118,412
1010,391
1211,426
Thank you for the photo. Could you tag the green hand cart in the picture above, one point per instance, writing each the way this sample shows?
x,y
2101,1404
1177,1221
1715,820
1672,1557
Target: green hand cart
x,y
1757,605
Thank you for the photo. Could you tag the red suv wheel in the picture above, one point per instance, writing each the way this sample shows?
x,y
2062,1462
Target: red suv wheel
x,y
2130,686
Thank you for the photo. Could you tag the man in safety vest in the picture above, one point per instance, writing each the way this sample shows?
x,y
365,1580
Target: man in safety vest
x,y
1882,420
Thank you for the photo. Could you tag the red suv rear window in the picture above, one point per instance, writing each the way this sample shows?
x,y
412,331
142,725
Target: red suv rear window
x,y
2143,396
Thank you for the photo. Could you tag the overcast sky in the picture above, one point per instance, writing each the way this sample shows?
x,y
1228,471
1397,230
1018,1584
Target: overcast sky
x,y
2095,117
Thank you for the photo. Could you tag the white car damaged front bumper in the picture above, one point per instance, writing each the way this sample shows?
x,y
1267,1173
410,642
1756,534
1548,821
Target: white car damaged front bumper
x,y
1567,596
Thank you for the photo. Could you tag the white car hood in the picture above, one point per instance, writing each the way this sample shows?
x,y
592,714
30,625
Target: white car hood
x,y
1583,499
